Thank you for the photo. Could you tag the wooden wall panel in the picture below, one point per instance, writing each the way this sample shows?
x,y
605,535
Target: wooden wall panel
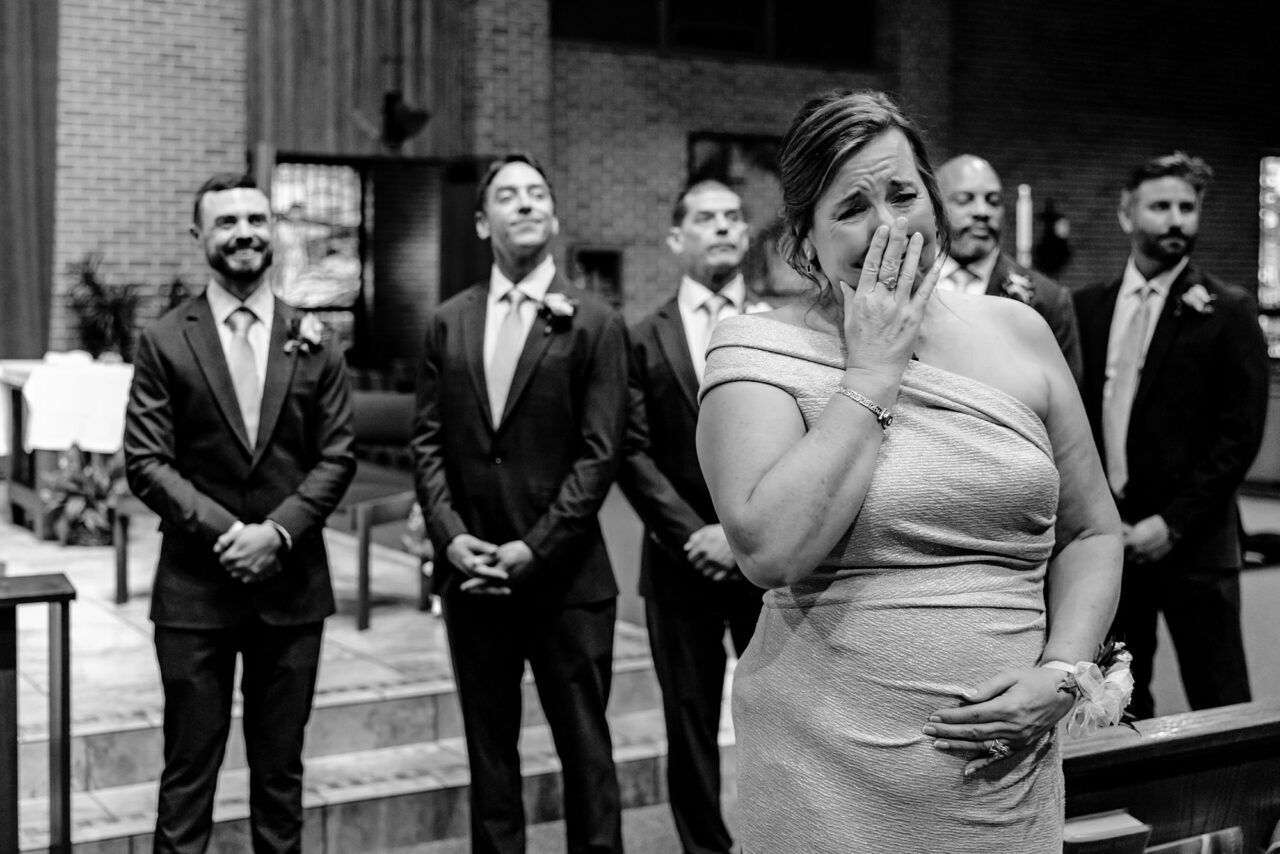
x,y
28,110
319,70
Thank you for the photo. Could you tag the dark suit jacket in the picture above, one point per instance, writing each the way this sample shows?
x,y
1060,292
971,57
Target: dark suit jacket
x,y
187,458
1197,415
1051,299
660,474
543,473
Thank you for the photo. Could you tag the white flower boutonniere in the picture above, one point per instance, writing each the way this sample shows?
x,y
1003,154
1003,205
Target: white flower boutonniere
x,y
1198,299
1020,288
557,310
306,334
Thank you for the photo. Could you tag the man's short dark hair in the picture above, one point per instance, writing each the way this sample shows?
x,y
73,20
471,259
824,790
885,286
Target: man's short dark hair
x,y
496,166
1193,170
218,183
681,207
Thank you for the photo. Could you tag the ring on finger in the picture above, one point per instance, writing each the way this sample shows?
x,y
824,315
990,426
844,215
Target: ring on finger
x,y
999,748
889,284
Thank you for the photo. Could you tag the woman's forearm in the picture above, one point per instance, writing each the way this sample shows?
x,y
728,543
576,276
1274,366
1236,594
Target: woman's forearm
x,y
796,513
1082,588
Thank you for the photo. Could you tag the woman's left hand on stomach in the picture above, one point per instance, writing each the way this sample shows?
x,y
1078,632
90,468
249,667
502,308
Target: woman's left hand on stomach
x,y
1014,708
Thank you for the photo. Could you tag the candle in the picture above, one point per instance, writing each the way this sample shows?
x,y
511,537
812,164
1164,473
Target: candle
x,y
1023,215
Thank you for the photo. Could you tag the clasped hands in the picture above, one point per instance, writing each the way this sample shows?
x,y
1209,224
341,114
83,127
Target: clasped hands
x,y
708,550
492,569
249,553
1015,707
1147,540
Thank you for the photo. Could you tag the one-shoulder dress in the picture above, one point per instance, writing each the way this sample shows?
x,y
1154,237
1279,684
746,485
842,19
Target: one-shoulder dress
x,y
936,587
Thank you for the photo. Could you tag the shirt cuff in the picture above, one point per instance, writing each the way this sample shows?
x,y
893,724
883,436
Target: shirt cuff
x,y
284,535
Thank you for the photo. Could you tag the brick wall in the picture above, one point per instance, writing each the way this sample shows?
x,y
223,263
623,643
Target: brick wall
x,y
151,99
621,125
1070,101
508,105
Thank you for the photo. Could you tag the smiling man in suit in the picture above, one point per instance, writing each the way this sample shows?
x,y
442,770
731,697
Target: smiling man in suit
x,y
238,435
692,587
521,407
1175,385
975,264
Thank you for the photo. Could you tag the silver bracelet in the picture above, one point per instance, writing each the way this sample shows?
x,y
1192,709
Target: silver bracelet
x,y
883,416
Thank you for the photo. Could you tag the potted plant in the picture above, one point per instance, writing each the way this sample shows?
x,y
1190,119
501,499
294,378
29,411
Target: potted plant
x,y
78,495
105,311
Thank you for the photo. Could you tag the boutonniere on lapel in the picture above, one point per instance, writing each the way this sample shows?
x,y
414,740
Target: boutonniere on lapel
x,y
305,334
557,310
1197,299
1019,287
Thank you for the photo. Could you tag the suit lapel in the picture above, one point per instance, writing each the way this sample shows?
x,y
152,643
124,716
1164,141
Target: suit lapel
x,y
280,368
1000,272
536,343
471,337
202,336
1166,331
675,349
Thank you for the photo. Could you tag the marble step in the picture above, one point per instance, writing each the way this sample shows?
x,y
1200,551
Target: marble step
x,y
110,750
393,799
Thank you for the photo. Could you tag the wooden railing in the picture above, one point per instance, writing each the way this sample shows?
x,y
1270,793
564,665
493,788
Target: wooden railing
x,y
55,590
1184,774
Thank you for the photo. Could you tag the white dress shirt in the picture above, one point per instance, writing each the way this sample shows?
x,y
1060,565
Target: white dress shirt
x,y
982,268
534,287
1126,305
263,304
690,298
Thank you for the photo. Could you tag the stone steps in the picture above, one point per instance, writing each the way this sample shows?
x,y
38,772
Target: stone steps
x,y
388,799
119,750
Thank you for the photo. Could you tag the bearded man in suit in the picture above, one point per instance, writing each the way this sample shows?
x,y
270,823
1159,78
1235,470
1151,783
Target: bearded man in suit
x,y
692,587
238,434
1175,385
975,264
521,407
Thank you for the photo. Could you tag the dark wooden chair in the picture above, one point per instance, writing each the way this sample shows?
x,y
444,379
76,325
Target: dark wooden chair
x,y
365,516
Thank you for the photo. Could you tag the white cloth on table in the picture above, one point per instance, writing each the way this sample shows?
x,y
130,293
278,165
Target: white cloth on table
x,y
76,403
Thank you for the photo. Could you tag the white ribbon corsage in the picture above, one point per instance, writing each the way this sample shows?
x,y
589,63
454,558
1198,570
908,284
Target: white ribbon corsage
x,y
305,335
1102,689
1198,299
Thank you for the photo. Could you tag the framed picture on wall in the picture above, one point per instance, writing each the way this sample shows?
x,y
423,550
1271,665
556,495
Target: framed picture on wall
x,y
749,166
598,269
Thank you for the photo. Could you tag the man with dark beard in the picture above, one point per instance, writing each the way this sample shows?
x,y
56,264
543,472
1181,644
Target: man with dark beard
x,y
975,264
1175,385
238,435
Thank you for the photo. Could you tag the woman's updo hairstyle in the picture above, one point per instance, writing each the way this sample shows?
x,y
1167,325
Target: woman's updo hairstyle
x,y
826,131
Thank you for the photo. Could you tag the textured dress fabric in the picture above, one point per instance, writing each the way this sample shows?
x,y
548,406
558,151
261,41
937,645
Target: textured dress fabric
x,y
936,587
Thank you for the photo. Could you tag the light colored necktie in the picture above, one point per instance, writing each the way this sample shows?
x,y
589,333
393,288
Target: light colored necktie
x,y
506,353
709,315
244,370
961,278
1117,402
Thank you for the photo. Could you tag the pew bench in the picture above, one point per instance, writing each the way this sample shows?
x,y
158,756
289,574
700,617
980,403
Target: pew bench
x,y
1184,774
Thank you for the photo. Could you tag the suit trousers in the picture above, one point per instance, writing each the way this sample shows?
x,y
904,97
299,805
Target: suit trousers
x,y
689,656
1202,611
197,671
570,651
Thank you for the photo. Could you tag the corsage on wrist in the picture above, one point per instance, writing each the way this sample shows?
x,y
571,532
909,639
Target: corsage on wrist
x,y
1102,688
